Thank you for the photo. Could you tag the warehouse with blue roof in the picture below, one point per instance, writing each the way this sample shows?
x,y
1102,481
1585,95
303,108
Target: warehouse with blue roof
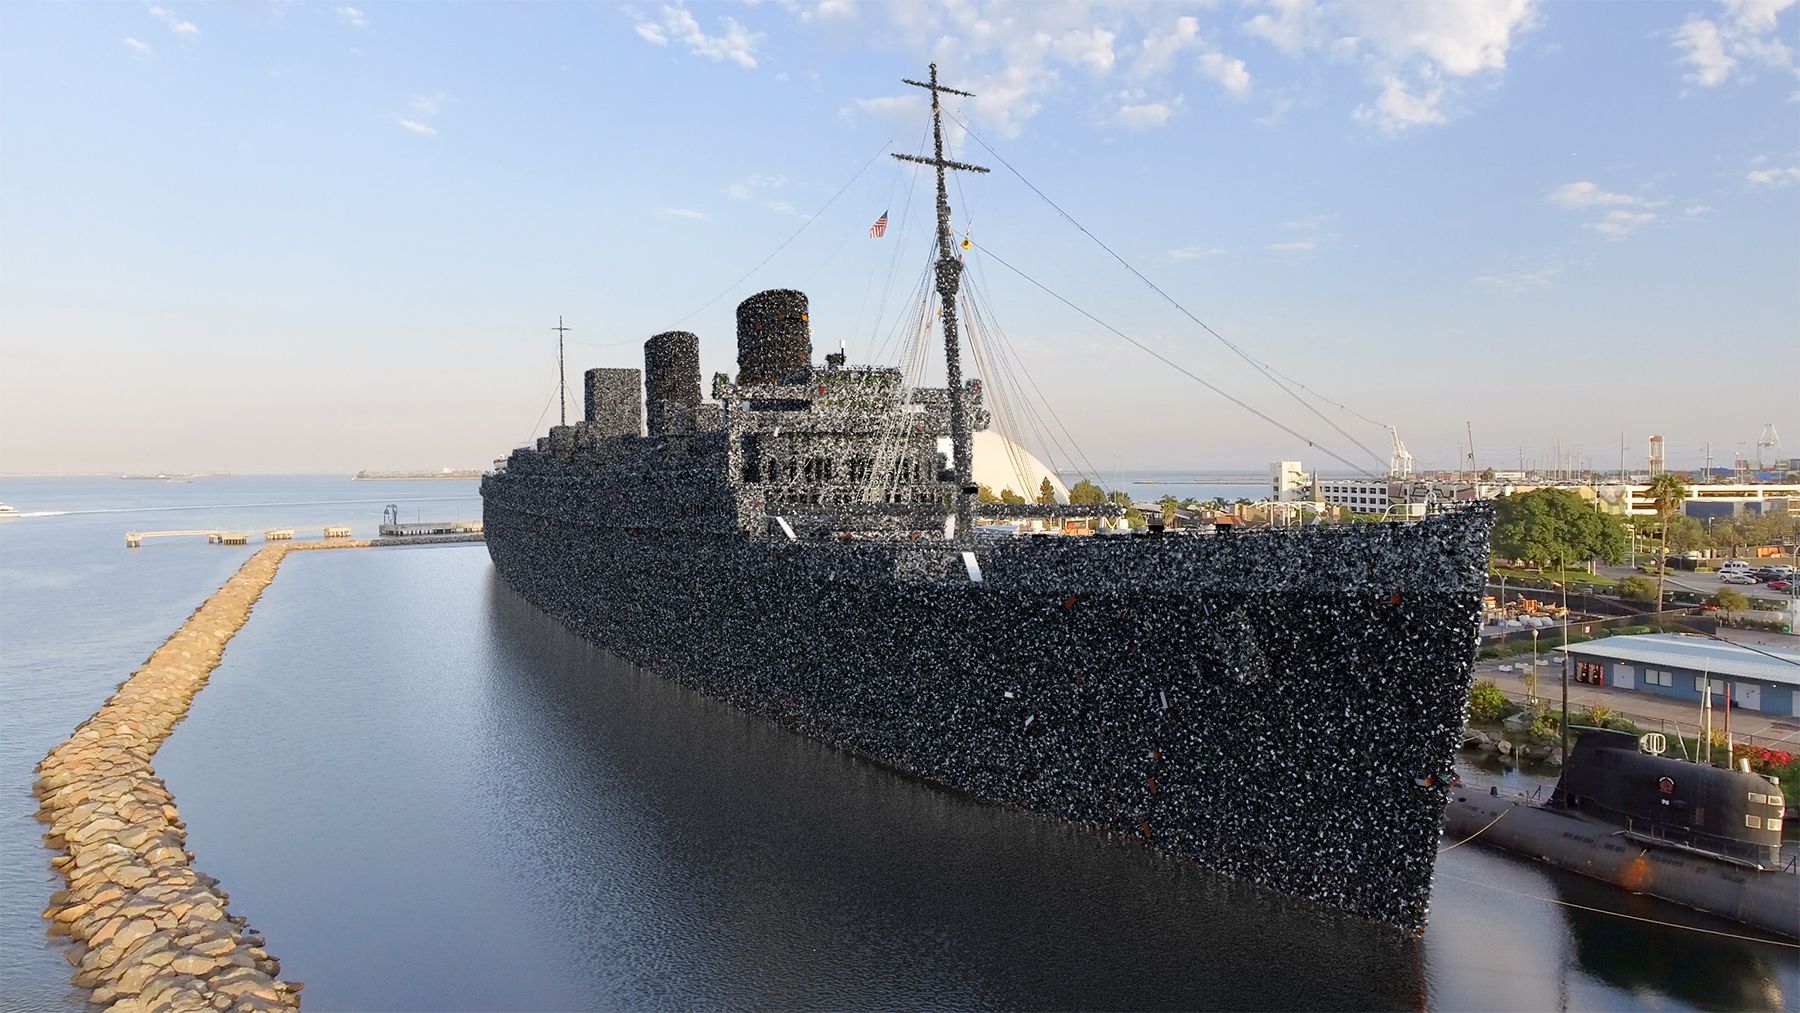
x,y
1758,678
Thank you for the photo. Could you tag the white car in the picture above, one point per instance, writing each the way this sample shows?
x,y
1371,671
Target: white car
x,y
1736,577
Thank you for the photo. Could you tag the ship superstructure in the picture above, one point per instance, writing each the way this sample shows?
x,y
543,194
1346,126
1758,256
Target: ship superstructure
x,y
1274,705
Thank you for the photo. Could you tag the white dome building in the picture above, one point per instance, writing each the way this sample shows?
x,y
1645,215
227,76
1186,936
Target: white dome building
x,y
1002,464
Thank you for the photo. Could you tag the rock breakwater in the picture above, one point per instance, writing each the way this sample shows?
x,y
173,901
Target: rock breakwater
x,y
150,932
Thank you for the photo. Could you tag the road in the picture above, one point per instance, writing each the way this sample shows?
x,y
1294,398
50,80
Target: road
x,y
1707,584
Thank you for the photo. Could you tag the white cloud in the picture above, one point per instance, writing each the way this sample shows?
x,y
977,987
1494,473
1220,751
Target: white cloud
x,y
1619,223
182,28
1229,71
1745,32
1704,47
1773,177
688,213
1584,194
1415,51
1092,48
1397,109
1145,115
138,49
1310,235
734,42
752,185
1696,210
1296,26
1158,50
1520,281
418,128
427,105
1193,252
352,17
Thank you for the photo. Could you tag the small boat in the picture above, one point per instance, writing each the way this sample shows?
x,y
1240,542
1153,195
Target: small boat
x,y
6,510
1705,837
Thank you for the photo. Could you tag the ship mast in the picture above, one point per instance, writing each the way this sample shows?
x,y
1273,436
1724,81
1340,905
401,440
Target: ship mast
x,y
949,277
562,376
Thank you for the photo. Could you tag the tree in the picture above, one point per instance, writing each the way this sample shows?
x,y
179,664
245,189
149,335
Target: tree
x,y
1086,493
1731,600
1556,526
1487,474
985,494
1668,492
1638,589
1169,505
1008,496
1685,534
1046,492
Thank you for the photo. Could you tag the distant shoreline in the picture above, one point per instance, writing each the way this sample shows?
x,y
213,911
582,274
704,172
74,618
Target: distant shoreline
x,y
448,474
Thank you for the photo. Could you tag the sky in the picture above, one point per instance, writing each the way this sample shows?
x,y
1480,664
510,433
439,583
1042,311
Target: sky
x,y
292,237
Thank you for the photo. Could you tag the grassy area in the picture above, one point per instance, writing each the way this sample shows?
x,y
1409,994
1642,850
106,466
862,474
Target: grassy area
x,y
1525,578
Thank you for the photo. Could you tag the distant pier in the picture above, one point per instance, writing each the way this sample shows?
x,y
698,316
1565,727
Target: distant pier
x,y
219,536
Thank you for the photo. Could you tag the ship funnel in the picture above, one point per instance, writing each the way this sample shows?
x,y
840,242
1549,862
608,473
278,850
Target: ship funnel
x,y
615,401
672,375
774,337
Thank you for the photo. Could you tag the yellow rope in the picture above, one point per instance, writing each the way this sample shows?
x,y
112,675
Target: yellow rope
x,y
1477,833
1621,914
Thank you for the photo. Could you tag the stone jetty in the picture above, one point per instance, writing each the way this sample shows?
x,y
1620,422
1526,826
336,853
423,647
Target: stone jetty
x,y
150,932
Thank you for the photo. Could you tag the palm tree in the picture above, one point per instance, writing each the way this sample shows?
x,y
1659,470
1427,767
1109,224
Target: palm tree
x,y
1668,492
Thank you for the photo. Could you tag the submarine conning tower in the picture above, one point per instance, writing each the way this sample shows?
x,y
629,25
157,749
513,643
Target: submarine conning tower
x,y
774,336
671,379
614,403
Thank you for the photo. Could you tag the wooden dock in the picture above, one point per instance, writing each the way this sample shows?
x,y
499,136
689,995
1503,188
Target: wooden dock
x,y
217,536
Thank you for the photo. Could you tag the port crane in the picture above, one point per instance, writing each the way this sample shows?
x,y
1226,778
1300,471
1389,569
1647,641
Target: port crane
x,y
1400,460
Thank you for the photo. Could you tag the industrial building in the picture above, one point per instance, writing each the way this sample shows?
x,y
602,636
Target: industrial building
x,y
1766,680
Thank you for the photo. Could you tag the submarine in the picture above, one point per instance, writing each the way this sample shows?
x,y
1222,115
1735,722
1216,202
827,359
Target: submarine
x,y
1704,837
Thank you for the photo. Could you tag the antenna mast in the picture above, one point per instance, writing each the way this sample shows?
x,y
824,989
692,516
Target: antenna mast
x,y
562,376
949,278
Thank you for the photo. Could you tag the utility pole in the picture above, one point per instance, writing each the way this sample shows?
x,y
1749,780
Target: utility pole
x,y
949,276
1707,477
562,376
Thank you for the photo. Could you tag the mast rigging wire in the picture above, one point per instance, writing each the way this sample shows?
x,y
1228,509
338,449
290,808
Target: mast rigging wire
x,y
1172,364
1268,371
796,234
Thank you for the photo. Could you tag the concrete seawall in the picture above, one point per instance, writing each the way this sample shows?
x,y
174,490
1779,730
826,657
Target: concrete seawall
x,y
152,933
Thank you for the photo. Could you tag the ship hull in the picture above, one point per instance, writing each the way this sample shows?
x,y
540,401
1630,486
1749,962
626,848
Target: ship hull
x,y
1263,704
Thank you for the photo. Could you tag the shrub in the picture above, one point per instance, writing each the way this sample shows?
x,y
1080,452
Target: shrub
x,y
1731,601
1638,588
1545,726
1486,703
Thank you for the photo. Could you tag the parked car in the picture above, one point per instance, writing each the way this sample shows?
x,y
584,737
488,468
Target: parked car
x,y
1780,572
1737,577
1779,585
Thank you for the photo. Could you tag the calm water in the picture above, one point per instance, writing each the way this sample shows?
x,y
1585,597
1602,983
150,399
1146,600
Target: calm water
x,y
428,796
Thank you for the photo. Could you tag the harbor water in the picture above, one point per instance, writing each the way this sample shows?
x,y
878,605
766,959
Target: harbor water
x,y
428,796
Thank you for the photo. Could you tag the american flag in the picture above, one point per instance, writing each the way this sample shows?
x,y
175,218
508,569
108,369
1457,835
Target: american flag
x,y
879,229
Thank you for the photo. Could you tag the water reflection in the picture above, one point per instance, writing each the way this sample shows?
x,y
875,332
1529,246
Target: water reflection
x,y
456,804
793,873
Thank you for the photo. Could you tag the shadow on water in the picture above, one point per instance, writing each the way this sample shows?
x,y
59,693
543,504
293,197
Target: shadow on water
x,y
776,870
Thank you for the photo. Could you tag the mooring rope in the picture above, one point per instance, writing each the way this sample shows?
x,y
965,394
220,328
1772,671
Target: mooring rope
x,y
1477,833
1621,914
